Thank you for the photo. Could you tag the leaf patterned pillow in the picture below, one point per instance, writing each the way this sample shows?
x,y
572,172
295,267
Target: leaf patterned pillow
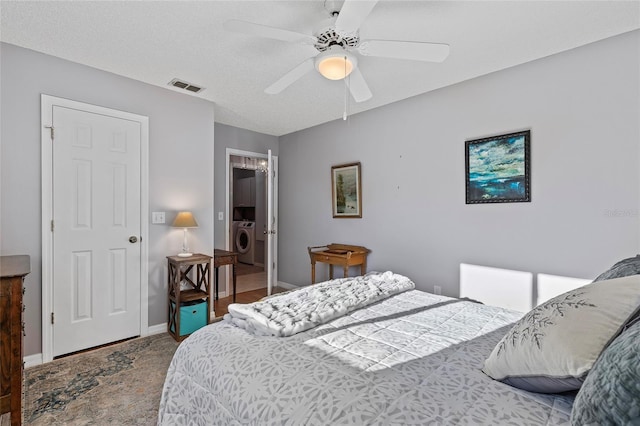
x,y
553,347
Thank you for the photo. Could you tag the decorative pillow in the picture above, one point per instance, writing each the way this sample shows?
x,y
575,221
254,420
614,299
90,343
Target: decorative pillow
x,y
553,347
611,393
624,268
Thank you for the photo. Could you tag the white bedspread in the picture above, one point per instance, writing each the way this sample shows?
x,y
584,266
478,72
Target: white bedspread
x,y
311,306
411,359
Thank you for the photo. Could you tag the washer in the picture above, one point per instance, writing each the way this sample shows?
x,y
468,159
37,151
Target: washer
x,y
234,231
245,242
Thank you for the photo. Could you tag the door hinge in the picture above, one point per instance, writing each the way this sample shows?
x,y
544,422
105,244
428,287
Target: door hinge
x,y
52,318
52,226
51,130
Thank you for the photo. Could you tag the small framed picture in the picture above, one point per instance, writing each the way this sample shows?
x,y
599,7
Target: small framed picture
x,y
346,191
497,169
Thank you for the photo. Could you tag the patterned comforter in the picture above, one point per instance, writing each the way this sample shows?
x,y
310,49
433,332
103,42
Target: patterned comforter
x,y
411,359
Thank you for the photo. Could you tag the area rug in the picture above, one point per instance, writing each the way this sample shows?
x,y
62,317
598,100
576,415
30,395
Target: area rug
x,y
119,384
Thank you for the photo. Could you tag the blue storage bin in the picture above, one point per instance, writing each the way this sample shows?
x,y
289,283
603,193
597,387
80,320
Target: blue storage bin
x,y
193,315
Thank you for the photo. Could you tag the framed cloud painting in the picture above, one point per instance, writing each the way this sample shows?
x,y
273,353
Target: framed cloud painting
x,y
497,169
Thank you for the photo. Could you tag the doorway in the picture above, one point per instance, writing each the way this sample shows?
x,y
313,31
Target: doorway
x,y
94,192
248,229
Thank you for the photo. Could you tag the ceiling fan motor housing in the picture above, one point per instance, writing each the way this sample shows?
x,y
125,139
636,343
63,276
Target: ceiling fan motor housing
x,y
328,36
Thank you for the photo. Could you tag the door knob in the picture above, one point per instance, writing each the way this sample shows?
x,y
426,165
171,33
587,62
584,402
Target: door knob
x,y
133,239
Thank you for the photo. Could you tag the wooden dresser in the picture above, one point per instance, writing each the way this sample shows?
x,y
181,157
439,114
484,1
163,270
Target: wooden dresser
x,y
13,269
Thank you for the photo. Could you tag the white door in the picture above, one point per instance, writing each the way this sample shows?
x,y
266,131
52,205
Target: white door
x,y
96,229
272,223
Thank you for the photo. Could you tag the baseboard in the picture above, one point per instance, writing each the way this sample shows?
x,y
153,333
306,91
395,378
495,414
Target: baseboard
x,y
157,329
32,360
287,285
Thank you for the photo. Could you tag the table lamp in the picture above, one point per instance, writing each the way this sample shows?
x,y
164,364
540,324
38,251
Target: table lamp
x,y
185,220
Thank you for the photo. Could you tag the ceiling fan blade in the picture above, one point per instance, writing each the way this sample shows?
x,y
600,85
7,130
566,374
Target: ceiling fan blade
x,y
352,14
413,50
358,86
290,77
268,32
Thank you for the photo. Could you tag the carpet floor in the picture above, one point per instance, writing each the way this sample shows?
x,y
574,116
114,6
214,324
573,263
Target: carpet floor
x,y
119,384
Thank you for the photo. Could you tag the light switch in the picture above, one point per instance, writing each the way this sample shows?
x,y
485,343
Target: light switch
x,y
220,216
157,217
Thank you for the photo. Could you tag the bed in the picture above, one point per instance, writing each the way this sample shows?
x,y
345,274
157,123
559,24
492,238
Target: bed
x,y
409,358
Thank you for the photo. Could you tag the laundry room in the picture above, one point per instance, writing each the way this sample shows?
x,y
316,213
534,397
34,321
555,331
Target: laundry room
x,y
249,213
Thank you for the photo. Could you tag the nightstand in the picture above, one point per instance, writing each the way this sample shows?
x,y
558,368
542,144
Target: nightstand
x,y
196,291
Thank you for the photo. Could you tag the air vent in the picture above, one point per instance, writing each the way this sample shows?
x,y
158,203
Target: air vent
x,y
186,86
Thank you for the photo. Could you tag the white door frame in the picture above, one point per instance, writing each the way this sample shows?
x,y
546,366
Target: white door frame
x,y
229,213
46,104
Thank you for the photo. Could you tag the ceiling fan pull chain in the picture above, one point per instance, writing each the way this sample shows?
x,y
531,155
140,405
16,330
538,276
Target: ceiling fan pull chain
x,y
344,115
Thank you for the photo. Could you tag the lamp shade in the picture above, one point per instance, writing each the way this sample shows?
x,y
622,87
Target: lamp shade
x,y
185,220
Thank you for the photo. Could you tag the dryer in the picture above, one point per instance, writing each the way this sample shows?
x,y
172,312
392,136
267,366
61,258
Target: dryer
x,y
246,242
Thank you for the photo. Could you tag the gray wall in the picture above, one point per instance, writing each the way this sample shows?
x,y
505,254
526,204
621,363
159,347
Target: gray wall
x,y
180,163
582,107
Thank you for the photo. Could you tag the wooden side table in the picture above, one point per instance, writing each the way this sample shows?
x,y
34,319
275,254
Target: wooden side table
x,y
338,254
179,269
221,258
13,269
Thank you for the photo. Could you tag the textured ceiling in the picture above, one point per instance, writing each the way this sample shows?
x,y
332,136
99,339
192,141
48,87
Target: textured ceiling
x,y
155,42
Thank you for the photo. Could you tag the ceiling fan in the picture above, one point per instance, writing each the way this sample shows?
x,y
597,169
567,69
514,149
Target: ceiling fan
x,y
337,41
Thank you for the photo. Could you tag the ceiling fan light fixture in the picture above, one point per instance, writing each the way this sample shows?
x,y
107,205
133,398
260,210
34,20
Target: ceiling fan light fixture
x,y
335,63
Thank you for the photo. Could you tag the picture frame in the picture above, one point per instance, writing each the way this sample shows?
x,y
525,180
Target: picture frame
x,y
346,191
497,169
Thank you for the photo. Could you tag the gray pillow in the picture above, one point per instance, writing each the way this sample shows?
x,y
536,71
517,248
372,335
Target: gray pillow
x,y
624,268
610,394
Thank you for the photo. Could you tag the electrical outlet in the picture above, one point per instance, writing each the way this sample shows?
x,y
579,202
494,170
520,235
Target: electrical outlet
x,y
220,216
437,289
157,217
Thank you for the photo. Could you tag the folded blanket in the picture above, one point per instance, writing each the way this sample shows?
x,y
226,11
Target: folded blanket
x,y
317,304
